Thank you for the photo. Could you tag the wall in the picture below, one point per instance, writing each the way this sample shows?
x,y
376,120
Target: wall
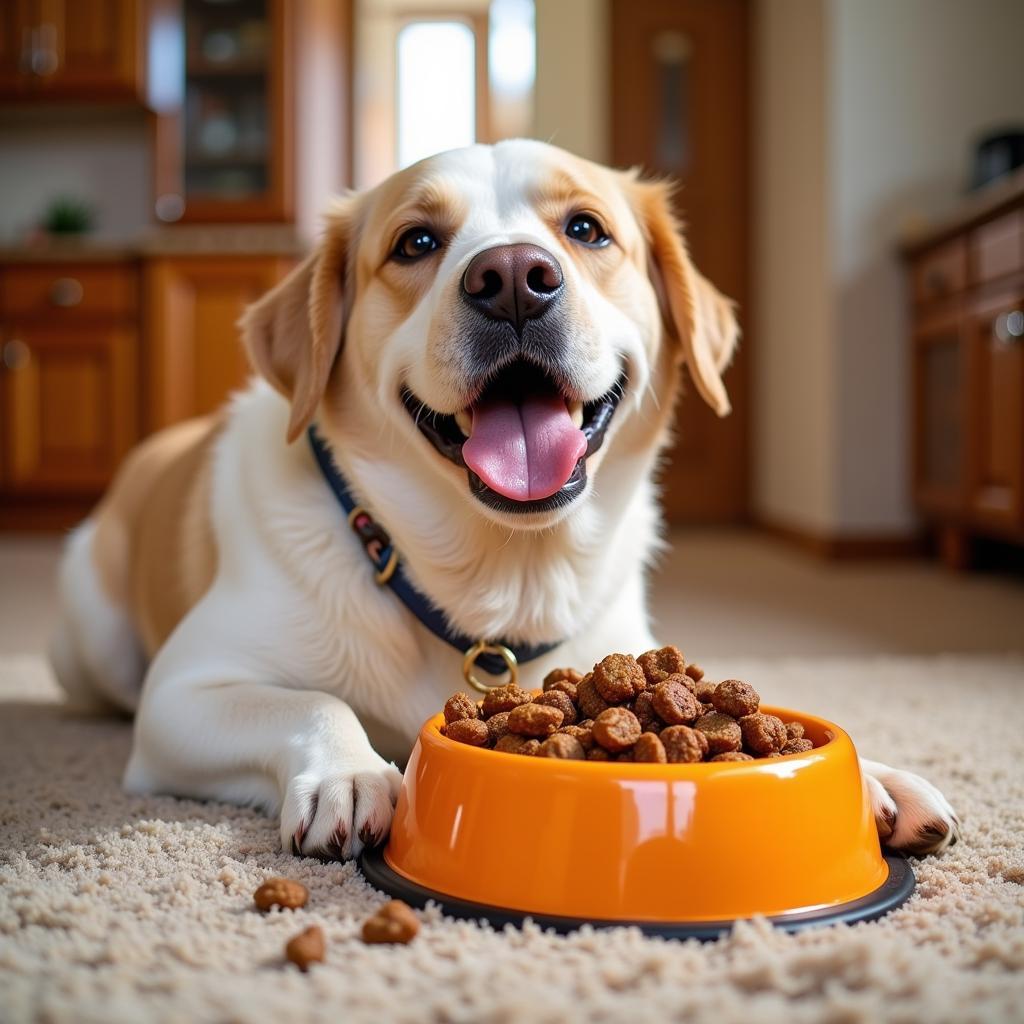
x,y
791,349
97,155
571,100
913,84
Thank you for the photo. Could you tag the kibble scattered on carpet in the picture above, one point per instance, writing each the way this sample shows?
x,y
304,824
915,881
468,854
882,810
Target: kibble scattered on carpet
x,y
117,908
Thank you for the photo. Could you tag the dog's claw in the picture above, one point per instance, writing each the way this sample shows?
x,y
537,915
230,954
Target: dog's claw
x,y
885,822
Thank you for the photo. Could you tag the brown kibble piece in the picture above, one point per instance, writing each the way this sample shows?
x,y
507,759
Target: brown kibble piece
x,y
280,892
732,755
763,734
596,753
736,698
560,700
618,678
497,726
590,702
704,690
394,922
505,698
564,746
643,708
649,749
722,732
468,730
561,675
511,743
581,733
695,672
797,746
534,720
306,948
658,665
673,702
683,744
459,706
795,730
616,729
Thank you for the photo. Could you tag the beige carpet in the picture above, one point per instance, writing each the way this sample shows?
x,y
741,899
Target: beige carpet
x,y
114,908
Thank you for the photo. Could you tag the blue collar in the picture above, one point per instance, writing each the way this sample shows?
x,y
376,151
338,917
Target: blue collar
x,y
388,568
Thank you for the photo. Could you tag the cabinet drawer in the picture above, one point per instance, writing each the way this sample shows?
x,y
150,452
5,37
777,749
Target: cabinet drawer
x,y
58,289
940,272
997,248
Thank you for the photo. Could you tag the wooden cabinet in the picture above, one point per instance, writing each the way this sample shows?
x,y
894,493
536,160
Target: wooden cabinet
x,y
194,353
69,384
71,49
967,353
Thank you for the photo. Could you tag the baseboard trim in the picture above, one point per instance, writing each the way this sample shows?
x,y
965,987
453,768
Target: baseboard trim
x,y
846,547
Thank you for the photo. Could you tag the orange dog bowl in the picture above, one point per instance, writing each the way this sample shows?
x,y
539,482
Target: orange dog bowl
x,y
679,849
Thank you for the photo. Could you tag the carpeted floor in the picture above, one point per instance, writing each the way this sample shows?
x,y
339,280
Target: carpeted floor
x,y
115,908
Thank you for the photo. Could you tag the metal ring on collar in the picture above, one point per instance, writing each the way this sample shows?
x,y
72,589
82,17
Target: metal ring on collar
x,y
482,647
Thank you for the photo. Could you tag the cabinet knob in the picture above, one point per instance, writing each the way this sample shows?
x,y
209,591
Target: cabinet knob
x,y
1009,327
66,292
15,354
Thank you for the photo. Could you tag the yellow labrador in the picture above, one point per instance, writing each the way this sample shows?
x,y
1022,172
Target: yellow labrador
x,y
489,345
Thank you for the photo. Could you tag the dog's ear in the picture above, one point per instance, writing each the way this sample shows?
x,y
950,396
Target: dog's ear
x,y
695,312
293,334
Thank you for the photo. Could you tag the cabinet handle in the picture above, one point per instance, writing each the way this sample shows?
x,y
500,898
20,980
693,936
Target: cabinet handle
x,y
16,354
1009,327
66,292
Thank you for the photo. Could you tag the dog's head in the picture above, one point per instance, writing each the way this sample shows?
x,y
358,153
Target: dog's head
x,y
505,309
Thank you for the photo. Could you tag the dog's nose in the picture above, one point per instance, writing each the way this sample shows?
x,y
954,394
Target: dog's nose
x,y
512,282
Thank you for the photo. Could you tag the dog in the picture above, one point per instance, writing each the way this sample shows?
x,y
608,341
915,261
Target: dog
x,y
489,345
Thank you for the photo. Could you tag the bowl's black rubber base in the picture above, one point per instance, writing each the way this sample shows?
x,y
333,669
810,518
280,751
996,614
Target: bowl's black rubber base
x,y
888,896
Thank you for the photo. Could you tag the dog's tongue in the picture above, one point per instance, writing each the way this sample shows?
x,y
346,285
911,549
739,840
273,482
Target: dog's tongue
x,y
525,451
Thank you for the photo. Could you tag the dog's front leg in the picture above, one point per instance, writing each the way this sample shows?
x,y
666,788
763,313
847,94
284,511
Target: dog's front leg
x,y
300,753
911,814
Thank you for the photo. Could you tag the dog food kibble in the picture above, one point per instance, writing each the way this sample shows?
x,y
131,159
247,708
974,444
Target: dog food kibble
x,y
280,892
561,700
735,698
459,706
534,720
650,749
619,678
673,702
589,701
659,665
395,922
683,744
721,732
504,698
654,709
616,729
468,730
562,745
763,734
306,948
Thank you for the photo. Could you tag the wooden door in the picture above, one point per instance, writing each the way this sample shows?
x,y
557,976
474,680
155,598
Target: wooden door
x,y
996,403
69,407
89,50
939,375
679,72
16,26
193,304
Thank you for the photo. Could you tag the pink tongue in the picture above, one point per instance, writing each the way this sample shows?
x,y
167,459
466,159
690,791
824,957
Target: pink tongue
x,y
525,452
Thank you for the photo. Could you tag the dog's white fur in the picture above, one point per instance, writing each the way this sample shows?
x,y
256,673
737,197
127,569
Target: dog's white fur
x,y
274,687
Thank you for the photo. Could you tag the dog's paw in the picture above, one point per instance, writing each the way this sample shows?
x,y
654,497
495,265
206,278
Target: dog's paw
x,y
911,814
337,813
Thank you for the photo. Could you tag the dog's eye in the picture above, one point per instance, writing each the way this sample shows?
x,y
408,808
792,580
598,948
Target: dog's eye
x,y
586,229
416,242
